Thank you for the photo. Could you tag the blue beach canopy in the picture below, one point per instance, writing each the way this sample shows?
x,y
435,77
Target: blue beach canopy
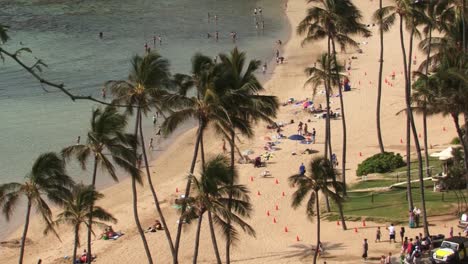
x,y
296,137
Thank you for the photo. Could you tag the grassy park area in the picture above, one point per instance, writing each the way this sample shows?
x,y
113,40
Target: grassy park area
x,y
372,199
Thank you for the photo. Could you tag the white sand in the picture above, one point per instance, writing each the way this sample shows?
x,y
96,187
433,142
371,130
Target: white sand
x,y
272,244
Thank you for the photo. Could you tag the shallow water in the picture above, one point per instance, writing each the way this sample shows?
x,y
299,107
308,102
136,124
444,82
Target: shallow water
x,y
65,35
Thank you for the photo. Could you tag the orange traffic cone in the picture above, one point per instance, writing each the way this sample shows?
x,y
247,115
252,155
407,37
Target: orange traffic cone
x,y
258,193
251,178
274,220
364,223
285,229
268,213
276,181
276,207
355,230
177,190
337,223
297,239
282,194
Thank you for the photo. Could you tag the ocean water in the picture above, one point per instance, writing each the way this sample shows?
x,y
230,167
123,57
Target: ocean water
x,y
64,34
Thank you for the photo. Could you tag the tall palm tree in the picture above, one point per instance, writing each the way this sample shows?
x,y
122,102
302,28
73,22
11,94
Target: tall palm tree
x,y
47,179
204,106
328,69
212,191
105,138
77,209
386,17
335,21
244,104
147,84
379,84
309,187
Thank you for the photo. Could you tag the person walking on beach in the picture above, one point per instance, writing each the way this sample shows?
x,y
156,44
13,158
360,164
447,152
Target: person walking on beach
x,y
391,233
277,54
378,234
151,147
302,169
365,249
306,132
78,139
314,133
402,233
155,120
264,68
216,36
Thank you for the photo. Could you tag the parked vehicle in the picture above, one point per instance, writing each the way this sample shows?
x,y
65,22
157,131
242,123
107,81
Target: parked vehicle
x,y
451,251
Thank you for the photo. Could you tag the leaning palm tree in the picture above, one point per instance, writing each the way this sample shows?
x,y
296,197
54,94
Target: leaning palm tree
x,y
309,187
47,179
203,106
328,69
213,193
144,90
244,104
106,140
78,208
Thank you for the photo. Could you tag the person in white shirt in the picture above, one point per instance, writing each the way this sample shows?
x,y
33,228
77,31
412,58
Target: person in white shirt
x,y
391,232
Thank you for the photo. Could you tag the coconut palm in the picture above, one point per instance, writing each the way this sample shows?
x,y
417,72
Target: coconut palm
x,y
106,140
328,69
309,187
47,179
386,18
335,21
78,208
213,192
147,84
243,102
204,106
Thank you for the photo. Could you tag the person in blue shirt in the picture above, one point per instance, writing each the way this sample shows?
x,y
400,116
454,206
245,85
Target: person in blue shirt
x,y
302,169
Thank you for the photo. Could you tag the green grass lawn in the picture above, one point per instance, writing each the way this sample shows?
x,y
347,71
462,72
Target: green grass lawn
x,y
392,205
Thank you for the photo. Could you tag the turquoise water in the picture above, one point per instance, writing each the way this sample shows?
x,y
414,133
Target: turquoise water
x,y
65,35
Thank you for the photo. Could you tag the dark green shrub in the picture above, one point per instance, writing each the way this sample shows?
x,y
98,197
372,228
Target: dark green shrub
x,y
455,141
380,163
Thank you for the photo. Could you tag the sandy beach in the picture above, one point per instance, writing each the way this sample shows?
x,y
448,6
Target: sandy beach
x,y
271,244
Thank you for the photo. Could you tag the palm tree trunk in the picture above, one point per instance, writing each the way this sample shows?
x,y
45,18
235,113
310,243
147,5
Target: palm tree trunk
x,y
317,211
379,87
153,191
420,174
426,150
135,203
343,123
137,221
408,110
460,137
90,218
75,247
213,238
197,239
25,232
187,187
415,136
202,152
228,236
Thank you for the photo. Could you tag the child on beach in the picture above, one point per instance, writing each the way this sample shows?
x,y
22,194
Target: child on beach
x,y
378,234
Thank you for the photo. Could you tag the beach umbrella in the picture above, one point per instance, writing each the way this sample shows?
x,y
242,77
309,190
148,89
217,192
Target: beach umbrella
x,y
296,137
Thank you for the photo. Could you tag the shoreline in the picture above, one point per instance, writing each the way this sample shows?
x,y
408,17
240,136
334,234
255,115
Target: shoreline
x,y
272,243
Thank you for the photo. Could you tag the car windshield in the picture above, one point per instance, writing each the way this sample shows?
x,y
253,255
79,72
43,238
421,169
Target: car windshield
x,y
452,246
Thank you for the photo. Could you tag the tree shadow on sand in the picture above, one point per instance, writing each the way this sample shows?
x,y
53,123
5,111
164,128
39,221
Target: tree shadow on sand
x,y
306,251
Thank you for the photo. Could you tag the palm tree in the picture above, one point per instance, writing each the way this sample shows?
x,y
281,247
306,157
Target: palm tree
x,y
336,21
328,69
145,89
386,17
105,138
212,191
379,87
78,208
47,178
308,187
204,106
244,104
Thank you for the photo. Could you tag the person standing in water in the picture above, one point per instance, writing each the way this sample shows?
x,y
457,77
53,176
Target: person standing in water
x,y
101,35
154,41
216,35
160,40
264,68
78,139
